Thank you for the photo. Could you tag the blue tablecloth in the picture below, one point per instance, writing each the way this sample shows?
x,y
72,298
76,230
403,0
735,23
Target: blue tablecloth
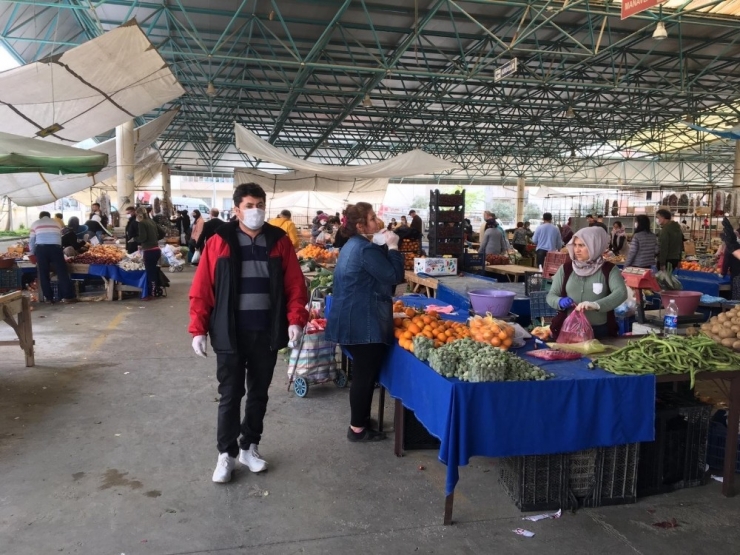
x,y
134,278
704,282
578,409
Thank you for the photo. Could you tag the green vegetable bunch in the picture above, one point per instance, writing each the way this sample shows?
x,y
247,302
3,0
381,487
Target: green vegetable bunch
x,y
423,347
474,361
669,355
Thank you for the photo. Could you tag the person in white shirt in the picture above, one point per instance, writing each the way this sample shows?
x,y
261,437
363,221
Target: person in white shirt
x,y
45,242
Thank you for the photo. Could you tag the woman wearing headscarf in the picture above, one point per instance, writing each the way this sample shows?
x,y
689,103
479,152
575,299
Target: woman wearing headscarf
x,y
588,283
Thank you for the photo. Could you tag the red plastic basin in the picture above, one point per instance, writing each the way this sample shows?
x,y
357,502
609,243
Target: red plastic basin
x,y
686,301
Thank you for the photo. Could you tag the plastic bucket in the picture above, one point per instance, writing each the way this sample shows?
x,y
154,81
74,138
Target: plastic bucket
x,y
498,303
686,301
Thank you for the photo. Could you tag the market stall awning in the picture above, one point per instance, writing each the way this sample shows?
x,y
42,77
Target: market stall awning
x,y
416,162
23,155
88,90
36,189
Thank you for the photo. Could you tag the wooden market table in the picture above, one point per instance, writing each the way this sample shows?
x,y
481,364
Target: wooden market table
x,y
512,271
417,283
15,304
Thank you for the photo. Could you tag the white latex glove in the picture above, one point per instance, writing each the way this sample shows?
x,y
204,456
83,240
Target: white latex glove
x,y
391,239
294,336
587,305
199,345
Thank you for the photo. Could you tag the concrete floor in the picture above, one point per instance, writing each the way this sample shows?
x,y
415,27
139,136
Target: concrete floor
x,y
107,446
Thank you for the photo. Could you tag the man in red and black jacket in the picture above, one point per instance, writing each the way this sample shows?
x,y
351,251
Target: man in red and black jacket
x,y
249,294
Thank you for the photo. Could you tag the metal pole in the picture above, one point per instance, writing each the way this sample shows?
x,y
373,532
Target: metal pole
x,y
125,164
520,182
166,192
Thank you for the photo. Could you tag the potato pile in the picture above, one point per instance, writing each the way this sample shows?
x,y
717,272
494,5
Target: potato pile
x,y
725,328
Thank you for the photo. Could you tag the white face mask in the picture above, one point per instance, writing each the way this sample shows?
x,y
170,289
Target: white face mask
x,y
379,238
253,218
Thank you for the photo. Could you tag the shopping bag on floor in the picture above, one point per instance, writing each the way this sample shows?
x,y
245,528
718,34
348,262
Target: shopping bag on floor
x,y
314,358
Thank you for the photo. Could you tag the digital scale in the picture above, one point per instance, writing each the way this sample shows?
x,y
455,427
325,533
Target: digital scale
x,y
640,279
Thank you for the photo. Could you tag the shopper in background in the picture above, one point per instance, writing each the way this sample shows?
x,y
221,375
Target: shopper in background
x,y
95,211
209,229
487,216
393,225
618,244
588,283
493,241
670,240
95,227
566,232
731,261
132,230
361,317
72,244
644,245
600,222
416,223
403,223
547,238
249,294
45,242
59,218
284,222
520,240
148,240
195,231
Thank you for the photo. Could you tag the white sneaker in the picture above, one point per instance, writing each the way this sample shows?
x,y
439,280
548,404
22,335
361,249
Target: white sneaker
x,y
224,468
251,459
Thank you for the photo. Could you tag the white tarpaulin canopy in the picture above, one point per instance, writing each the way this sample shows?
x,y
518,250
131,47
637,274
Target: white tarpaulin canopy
x,y
416,162
279,185
305,203
88,90
23,155
36,189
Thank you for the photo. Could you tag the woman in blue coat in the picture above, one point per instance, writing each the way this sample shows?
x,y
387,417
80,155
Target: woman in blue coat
x,y
361,317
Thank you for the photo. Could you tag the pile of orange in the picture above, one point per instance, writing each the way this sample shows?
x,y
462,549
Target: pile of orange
x,y
428,325
494,332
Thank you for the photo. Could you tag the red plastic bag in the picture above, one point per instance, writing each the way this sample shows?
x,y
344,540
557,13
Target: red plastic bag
x,y
576,329
549,354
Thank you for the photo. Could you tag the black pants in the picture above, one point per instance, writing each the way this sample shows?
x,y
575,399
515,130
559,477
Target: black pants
x,y
255,362
46,256
366,362
151,259
673,262
541,254
522,249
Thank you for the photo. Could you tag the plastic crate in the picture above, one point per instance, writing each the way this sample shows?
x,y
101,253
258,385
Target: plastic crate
x,y
449,216
553,261
10,278
439,249
415,435
716,443
582,470
535,282
617,475
473,263
537,482
677,458
538,307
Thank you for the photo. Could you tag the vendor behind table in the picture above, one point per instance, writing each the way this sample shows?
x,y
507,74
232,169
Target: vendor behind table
x,y
588,283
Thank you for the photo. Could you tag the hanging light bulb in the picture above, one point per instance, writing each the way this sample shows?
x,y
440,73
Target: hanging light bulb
x,y
367,101
211,90
572,152
569,113
660,33
211,139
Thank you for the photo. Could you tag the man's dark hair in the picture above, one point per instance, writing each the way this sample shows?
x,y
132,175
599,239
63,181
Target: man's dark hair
x,y
44,214
547,217
412,212
589,216
59,215
248,190
96,204
130,208
285,213
663,213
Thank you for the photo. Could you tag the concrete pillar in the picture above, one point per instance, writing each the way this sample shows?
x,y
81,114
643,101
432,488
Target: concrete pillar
x,y
125,165
520,183
166,191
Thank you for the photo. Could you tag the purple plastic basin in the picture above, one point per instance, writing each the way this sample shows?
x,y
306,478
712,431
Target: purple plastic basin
x,y
498,303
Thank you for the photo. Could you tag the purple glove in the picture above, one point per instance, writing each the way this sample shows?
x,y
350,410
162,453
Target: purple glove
x,y
565,303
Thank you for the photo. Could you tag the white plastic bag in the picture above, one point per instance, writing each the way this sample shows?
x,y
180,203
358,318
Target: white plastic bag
x,y
196,257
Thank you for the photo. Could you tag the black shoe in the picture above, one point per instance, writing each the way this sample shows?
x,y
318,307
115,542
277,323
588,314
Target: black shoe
x,y
372,424
367,434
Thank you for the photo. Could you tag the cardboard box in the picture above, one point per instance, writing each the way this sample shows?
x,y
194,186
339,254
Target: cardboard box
x,y
436,266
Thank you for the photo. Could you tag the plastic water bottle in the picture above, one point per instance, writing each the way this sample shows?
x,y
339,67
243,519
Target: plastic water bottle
x,y
670,320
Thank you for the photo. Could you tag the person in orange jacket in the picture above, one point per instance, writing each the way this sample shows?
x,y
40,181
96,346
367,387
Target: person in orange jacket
x,y
249,294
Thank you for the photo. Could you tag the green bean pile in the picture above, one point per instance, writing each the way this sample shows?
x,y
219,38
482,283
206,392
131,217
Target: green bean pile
x,y
657,355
